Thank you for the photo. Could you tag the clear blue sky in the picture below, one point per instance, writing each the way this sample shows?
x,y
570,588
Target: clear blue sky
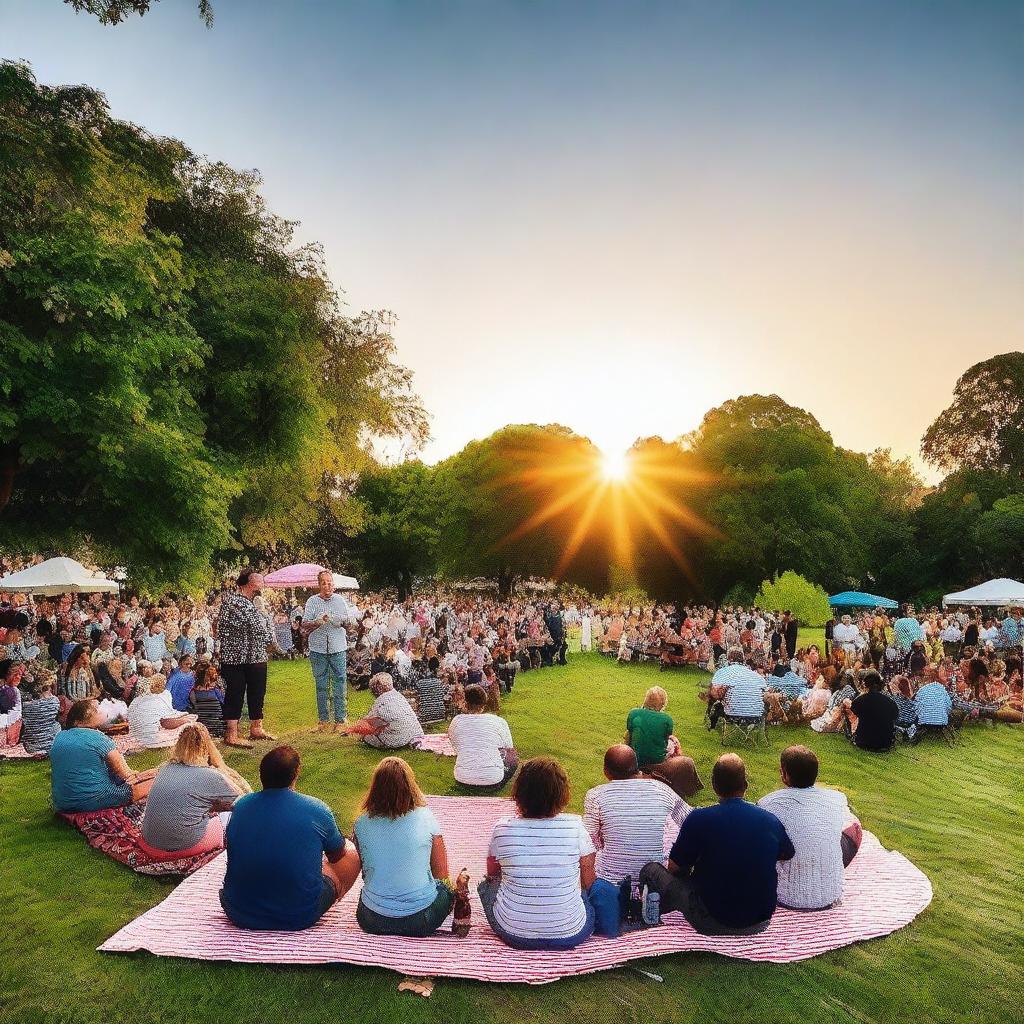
x,y
616,215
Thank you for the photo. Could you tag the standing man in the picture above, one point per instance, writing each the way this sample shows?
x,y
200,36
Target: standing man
x,y
791,632
243,635
323,621
556,627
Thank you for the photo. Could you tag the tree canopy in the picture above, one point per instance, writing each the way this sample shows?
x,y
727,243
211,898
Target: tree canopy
x,y
113,12
178,377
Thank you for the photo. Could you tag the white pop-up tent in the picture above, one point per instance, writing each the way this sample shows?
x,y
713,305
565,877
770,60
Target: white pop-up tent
x,y
57,576
993,594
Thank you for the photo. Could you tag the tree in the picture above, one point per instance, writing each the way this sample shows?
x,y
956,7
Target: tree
x,y
983,428
113,12
177,377
791,592
400,534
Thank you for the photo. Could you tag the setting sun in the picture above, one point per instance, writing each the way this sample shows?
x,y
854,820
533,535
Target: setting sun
x,y
614,465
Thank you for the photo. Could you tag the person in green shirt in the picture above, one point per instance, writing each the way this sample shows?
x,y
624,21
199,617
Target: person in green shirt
x,y
648,728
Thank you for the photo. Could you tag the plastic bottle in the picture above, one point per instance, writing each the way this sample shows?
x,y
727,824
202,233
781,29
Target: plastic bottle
x,y
652,908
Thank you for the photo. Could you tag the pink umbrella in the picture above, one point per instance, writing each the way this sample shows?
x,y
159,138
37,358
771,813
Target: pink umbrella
x,y
302,575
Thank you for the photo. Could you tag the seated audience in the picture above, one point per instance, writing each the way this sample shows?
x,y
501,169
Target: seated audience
x,y
484,753
207,698
391,723
404,859
737,691
189,801
822,829
934,705
832,719
77,679
180,683
88,772
430,694
151,716
721,871
649,728
276,842
626,816
540,865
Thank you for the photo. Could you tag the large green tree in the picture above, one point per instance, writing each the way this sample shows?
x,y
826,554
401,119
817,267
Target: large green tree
x,y
177,376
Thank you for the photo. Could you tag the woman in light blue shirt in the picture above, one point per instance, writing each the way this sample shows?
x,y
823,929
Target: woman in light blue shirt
x,y
404,860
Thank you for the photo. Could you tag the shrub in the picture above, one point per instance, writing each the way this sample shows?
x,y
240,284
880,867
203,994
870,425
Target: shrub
x,y
806,600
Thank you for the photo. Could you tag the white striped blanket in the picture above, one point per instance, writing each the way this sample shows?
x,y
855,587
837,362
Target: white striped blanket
x,y
884,892
436,742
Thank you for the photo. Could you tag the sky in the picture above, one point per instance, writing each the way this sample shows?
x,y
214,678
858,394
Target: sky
x,y
616,216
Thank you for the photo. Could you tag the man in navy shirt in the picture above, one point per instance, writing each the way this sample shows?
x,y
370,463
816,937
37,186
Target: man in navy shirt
x,y
276,842
721,871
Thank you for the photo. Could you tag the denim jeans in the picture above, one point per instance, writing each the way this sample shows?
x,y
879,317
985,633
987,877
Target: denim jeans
x,y
328,668
488,891
423,923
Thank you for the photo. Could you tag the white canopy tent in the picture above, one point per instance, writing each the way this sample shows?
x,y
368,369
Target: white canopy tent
x,y
993,594
345,582
57,576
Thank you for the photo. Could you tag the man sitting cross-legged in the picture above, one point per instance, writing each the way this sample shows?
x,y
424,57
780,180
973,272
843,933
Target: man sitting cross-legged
x,y
823,831
721,871
287,861
626,816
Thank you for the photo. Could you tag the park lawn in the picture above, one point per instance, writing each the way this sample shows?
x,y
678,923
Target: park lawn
x,y
954,812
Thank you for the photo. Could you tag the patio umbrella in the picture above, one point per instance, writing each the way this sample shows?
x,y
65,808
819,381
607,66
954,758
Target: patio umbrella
x,y
304,574
858,599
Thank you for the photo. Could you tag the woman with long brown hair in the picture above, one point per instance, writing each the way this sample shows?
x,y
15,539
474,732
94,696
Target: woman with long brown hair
x,y
404,859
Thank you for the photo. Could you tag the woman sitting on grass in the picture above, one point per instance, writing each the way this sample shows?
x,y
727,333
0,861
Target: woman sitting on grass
x,y
190,799
540,865
88,772
484,753
151,716
658,754
404,858
40,715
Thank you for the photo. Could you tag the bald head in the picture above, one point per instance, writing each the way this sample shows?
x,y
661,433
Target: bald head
x,y
729,776
620,762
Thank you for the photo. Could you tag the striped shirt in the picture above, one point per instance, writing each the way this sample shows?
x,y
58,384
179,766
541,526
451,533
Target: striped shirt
x,y
744,697
40,726
626,819
814,819
933,704
540,895
478,740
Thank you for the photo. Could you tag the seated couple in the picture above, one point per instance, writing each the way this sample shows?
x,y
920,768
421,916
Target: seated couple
x,y
288,863
733,863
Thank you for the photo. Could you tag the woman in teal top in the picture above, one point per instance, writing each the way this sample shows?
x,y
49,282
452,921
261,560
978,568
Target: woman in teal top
x,y
88,772
404,859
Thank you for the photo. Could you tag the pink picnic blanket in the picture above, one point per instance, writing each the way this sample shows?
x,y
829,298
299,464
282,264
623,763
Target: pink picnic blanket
x,y
436,742
117,832
125,744
884,892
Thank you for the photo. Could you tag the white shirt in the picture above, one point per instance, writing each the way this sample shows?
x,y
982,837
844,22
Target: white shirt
x,y
144,714
329,638
814,819
539,895
626,819
477,739
844,634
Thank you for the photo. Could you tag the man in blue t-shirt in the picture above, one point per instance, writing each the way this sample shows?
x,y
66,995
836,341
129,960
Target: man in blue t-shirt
x,y
276,843
721,871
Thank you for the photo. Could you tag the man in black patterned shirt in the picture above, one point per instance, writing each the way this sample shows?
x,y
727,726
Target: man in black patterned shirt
x,y
244,635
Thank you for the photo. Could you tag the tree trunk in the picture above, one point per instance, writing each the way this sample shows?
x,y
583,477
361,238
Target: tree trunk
x,y
9,461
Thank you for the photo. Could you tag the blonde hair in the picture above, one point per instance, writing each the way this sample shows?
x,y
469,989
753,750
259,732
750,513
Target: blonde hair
x,y
193,746
157,683
656,699
393,790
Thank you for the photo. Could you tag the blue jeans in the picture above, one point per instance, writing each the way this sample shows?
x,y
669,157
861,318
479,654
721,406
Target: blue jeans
x,y
328,668
488,891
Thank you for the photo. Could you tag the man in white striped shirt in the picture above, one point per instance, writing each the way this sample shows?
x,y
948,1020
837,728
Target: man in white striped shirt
x,y
822,828
626,817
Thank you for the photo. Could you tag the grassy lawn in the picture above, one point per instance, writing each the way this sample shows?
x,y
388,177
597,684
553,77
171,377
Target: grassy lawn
x,y
956,813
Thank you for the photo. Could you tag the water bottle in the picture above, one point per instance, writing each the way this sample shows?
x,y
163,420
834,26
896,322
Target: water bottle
x,y
652,908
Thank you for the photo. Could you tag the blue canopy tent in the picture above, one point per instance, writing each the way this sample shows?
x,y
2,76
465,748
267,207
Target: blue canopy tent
x,y
857,599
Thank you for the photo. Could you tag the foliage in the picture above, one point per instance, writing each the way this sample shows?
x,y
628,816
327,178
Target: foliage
x,y
790,591
113,12
983,428
739,595
177,377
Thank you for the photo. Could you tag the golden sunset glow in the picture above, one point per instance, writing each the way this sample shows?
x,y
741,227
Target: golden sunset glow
x,y
614,466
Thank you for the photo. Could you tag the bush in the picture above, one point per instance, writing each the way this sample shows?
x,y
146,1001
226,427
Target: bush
x,y
739,595
806,600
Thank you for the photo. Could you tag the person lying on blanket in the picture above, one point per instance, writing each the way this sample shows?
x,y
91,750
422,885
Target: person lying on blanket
x,y
287,862
190,799
88,772
404,859
721,870
822,828
391,722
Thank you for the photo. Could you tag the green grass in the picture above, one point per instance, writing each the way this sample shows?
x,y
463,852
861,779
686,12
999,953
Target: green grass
x,y
955,813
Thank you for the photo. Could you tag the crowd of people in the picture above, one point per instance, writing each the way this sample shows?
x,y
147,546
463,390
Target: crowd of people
x,y
77,671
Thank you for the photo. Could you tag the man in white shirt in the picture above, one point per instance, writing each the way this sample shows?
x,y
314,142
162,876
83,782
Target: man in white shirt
x,y
323,623
627,816
846,635
822,828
